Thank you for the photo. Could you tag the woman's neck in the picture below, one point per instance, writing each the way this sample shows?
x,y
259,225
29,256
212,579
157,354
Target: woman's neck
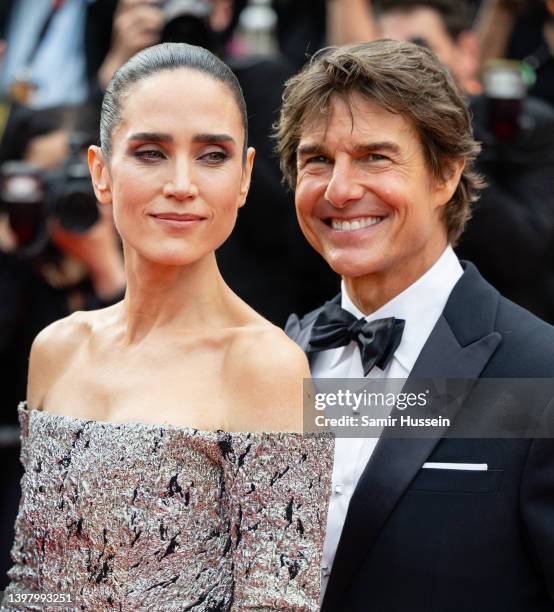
x,y
173,297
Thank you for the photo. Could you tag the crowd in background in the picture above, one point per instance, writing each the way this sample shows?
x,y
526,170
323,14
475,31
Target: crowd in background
x,y
58,253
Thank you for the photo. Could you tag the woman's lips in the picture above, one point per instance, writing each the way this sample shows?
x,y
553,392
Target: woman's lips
x,y
177,220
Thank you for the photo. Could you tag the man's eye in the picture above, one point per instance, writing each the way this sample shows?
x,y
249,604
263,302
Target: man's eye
x,y
317,159
377,157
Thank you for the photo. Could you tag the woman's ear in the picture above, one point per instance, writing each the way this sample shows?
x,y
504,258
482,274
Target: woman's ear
x,y
246,175
100,176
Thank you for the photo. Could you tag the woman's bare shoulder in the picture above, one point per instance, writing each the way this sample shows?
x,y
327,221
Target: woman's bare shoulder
x,y
52,349
266,346
268,371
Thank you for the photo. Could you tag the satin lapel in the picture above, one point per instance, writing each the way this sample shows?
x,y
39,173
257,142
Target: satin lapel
x,y
395,461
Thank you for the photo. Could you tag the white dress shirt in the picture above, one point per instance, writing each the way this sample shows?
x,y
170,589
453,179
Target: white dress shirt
x,y
420,305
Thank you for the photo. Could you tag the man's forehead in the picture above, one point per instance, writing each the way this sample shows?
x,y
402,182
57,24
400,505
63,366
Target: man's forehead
x,y
358,121
315,124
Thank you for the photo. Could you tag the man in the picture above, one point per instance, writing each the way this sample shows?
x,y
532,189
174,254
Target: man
x,y
517,207
56,47
377,142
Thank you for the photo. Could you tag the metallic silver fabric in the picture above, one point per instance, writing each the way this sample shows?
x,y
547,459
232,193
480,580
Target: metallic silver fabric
x,y
144,517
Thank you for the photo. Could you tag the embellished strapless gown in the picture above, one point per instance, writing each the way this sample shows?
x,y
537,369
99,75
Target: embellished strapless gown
x,y
144,517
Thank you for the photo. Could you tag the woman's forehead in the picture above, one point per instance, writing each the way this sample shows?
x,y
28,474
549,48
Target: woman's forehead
x,y
172,100
167,84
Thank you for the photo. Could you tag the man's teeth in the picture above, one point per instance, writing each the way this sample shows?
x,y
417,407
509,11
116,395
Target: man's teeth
x,y
354,224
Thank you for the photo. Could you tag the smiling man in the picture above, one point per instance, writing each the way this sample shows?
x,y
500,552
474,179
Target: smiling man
x,y
376,140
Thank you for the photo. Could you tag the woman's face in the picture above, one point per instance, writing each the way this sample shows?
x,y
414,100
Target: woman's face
x,y
176,176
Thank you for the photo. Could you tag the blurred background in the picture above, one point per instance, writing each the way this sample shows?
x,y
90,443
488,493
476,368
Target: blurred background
x,y
59,253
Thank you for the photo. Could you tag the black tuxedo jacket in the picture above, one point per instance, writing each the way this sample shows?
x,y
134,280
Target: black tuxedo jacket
x,y
455,541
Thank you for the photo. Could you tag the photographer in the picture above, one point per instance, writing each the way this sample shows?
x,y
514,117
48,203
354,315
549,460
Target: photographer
x,y
53,260
53,49
138,24
524,30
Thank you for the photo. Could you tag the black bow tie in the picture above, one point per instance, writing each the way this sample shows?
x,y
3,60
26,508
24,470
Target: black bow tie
x,y
377,340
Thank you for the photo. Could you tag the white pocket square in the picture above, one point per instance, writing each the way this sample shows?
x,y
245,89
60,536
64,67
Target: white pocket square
x,y
473,467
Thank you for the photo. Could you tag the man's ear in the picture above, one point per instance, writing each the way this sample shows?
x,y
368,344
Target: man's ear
x,y
101,181
246,175
446,187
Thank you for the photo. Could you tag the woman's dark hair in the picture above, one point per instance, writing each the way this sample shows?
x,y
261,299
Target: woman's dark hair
x,y
156,59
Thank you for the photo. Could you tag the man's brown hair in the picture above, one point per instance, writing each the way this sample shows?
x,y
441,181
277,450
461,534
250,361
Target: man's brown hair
x,y
402,78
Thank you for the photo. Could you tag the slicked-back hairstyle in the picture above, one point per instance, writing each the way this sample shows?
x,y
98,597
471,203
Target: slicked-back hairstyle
x,y
152,61
402,78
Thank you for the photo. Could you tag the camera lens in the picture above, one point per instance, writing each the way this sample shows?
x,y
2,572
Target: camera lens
x,y
77,211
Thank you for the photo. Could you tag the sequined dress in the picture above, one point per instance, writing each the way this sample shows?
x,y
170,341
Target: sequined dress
x,y
144,517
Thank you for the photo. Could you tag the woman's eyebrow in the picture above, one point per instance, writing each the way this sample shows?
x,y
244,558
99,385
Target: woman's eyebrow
x,y
201,138
209,138
154,136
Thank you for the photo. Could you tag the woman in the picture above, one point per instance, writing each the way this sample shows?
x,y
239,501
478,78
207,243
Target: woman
x,y
140,491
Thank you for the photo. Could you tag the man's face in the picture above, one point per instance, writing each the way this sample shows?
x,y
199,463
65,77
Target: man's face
x,y
365,198
422,23
425,24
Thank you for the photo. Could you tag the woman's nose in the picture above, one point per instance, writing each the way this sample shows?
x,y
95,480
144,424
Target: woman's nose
x,y
181,184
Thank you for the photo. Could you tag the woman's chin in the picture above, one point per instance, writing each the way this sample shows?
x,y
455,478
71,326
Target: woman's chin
x,y
169,257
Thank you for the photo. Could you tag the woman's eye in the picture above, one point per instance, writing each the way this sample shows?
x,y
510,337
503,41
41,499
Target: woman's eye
x,y
215,157
149,154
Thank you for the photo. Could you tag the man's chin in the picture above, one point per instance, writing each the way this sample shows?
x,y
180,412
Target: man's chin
x,y
352,269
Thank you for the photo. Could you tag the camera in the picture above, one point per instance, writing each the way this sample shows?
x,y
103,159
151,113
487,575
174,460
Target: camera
x,y
187,21
200,9
31,196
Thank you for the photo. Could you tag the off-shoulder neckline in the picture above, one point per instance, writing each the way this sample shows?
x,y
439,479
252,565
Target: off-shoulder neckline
x,y
23,406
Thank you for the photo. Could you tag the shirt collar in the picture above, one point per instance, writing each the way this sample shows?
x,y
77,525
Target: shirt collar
x,y
420,305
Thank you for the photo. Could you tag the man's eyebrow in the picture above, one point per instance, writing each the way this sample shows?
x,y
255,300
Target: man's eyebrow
x,y
310,149
161,137
319,149
377,146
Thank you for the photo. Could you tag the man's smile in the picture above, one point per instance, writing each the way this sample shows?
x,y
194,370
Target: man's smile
x,y
353,224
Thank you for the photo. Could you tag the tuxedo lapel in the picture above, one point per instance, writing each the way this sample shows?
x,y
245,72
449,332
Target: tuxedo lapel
x,y
459,347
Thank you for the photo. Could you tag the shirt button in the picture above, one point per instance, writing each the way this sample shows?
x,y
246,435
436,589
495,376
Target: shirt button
x,y
339,489
325,571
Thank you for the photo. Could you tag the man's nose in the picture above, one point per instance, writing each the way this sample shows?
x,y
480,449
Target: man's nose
x,y
344,186
181,184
